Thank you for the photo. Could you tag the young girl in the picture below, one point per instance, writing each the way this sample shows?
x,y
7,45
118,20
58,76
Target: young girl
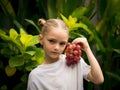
x,y
53,73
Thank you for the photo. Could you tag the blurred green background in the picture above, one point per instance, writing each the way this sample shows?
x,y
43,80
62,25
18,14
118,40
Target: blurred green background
x,y
20,51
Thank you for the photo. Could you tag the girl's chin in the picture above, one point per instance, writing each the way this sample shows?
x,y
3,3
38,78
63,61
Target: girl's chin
x,y
55,58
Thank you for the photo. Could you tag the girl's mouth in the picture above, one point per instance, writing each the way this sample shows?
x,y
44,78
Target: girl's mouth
x,y
55,53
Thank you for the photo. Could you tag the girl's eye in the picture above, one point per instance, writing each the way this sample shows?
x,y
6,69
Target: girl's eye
x,y
62,43
51,41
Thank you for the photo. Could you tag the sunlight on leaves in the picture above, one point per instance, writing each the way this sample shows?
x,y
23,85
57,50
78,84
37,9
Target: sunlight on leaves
x,y
25,39
13,34
22,32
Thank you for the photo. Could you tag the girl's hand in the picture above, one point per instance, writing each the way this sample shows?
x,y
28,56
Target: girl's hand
x,y
82,42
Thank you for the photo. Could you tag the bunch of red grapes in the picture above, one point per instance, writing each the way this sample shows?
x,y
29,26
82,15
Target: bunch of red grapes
x,y
73,54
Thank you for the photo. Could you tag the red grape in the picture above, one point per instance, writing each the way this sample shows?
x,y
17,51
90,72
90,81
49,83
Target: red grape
x,y
73,54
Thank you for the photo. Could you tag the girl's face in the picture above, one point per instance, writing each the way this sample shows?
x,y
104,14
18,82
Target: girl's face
x,y
54,43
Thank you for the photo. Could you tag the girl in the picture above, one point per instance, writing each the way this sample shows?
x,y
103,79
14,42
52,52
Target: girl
x,y
54,74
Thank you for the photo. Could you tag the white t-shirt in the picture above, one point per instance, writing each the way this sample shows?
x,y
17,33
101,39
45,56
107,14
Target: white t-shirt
x,y
58,76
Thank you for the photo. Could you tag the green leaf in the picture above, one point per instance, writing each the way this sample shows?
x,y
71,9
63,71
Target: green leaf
x,y
31,65
4,87
16,61
18,25
91,8
79,12
34,40
22,32
29,40
64,18
2,31
7,8
117,50
4,37
16,42
51,8
94,34
25,39
13,34
24,78
70,22
117,19
39,55
73,25
66,6
85,27
113,75
31,22
10,71
30,52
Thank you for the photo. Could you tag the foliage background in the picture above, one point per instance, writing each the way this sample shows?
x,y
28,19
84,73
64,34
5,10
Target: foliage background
x,y
20,52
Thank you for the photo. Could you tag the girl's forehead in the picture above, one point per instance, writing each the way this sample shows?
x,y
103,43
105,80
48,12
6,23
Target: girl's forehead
x,y
58,33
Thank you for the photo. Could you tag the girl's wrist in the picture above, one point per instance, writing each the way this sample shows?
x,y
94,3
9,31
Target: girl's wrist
x,y
88,50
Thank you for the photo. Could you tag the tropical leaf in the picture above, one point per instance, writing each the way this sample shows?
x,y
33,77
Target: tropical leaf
x,y
7,8
34,40
30,52
16,61
117,50
91,11
2,31
4,36
113,75
78,12
13,34
74,25
31,22
25,39
10,71
39,55
29,40
22,32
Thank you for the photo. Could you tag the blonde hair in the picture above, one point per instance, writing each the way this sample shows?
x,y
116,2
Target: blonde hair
x,y
49,24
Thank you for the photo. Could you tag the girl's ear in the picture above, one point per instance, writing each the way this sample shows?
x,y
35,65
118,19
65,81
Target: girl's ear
x,y
40,37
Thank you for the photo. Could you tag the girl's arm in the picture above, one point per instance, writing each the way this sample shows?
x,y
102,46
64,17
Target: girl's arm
x,y
95,75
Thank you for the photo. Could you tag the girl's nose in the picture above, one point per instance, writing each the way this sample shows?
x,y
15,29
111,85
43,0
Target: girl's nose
x,y
56,47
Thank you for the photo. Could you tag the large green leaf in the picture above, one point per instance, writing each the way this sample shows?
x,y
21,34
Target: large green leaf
x,y
113,75
94,34
11,40
16,61
79,12
39,55
25,39
13,34
31,22
73,24
7,8
22,32
4,36
61,6
117,50
34,40
51,8
91,11
30,52
69,6
29,40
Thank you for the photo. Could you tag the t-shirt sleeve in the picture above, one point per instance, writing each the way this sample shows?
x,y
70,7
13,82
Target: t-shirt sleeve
x,y
32,81
30,85
86,69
